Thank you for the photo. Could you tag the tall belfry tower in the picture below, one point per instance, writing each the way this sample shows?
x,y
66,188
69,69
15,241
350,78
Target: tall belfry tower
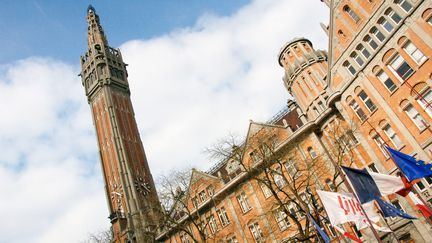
x,y
132,199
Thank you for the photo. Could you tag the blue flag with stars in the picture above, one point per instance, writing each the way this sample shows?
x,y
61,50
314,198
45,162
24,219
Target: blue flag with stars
x,y
412,168
389,210
363,184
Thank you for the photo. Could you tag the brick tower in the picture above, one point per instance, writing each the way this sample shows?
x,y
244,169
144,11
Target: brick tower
x,y
132,199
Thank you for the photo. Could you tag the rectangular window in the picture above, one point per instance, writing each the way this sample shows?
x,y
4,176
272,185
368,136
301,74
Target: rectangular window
x,y
380,143
212,224
223,216
292,169
281,219
184,238
358,110
415,116
394,138
401,68
384,78
254,156
256,232
415,53
278,178
404,4
232,239
292,207
367,101
425,101
195,202
373,168
266,191
210,190
243,202
202,195
421,185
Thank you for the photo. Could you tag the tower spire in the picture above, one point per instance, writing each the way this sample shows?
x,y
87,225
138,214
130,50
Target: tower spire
x,y
96,34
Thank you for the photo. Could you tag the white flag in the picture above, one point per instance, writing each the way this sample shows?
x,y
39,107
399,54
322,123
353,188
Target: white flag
x,y
387,184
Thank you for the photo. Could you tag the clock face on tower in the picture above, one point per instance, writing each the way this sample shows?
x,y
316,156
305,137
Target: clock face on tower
x,y
142,186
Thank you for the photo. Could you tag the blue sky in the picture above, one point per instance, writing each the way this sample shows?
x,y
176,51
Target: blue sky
x,y
198,70
58,28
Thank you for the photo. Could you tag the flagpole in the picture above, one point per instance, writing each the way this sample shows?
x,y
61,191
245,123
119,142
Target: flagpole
x,y
347,184
386,223
428,220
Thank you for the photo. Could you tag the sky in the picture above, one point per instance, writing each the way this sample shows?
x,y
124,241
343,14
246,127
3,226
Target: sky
x,y
198,70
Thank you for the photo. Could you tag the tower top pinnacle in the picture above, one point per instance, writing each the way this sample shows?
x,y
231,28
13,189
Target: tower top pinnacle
x,y
96,34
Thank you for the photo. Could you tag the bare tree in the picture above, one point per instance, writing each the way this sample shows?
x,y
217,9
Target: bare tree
x,y
104,236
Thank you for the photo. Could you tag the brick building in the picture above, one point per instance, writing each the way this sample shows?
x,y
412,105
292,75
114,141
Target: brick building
x,y
372,87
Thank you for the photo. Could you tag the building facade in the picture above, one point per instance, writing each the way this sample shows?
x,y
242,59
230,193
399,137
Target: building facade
x,y
373,87
131,194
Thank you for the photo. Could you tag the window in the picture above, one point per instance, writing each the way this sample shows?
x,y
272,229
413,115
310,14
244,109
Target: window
x,y
415,53
255,157
380,143
195,202
184,238
429,20
243,202
210,190
386,25
256,232
415,116
358,110
363,51
404,4
278,178
312,153
266,191
351,13
367,101
293,209
223,216
384,78
330,184
425,101
391,134
321,105
232,239
349,67
370,42
348,140
212,223
357,58
393,16
400,67
202,195
375,32
281,219
421,185
292,169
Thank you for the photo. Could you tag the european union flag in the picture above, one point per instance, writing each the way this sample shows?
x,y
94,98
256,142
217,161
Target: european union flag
x,y
320,231
365,187
412,168
389,210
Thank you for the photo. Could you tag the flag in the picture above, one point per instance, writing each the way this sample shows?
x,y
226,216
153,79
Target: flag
x,y
318,229
362,182
387,184
412,168
425,210
341,207
408,187
348,235
389,210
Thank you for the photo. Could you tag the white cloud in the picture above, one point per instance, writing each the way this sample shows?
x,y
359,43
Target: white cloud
x,y
189,88
194,85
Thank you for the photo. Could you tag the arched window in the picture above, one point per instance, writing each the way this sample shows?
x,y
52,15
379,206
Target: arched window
x,y
351,13
393,16
349,67
371,42
357,58
413,114
361,49
312,153
388,83
404,4
378,35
